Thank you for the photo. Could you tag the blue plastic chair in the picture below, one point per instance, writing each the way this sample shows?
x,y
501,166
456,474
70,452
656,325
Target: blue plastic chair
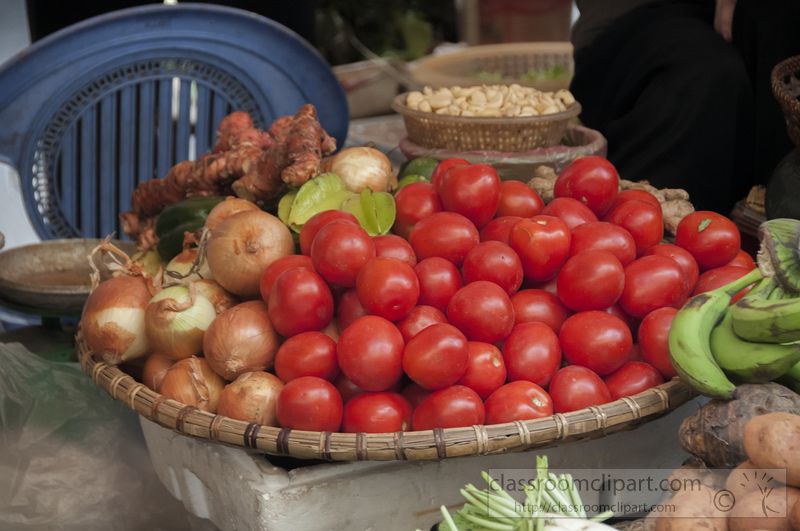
x,y
91,111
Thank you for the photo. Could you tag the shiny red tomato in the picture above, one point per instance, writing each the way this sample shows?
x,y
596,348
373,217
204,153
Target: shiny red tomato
x,y
652,282
632,378
472,191
436,357
499,229
443,167
713,239
311,404
570,211
618,312
520,400
495,262
518,199
414,394
413,203
299,301
542,243
393,246
596,340
742,259
643,220
483,311
347,388
654,340
603,236
635,195
683,258
370,353
387,287
576,387
532,353
377,413
307,354
453,407
592,180
486,370
539,305
720,276
418,319
339,250
439,280
316,222
444,234
591,280
277,267
349,308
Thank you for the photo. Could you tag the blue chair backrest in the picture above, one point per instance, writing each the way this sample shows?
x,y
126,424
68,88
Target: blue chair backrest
x,y
93,110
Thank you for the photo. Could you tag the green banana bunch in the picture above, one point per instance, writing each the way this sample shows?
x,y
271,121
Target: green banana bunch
x,y
690,338
767,320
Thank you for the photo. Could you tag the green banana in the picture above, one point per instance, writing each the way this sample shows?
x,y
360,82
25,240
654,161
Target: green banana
x,y
690,337
767,320
778,254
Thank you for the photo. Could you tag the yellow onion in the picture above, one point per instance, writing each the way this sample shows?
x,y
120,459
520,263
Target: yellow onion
x,y
192,382
155,368
178,268
241,339
113,321
217,296
363,167
175,321
230,206
242,247
252,398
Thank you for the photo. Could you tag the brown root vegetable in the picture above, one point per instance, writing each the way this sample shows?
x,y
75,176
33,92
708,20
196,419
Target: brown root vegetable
x,y
252,398
694,509
747,477
768,510
192,382
155,368
715,433
794,516
773,441
695,471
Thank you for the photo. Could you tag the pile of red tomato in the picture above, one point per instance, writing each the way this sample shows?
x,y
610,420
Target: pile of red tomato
x,y
486,305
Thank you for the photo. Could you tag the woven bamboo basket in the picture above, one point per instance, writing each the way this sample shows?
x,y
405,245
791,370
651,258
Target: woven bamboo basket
x,y
786,88
592,422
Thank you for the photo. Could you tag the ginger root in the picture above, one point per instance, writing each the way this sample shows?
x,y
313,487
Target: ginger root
x,y
543,182
675,203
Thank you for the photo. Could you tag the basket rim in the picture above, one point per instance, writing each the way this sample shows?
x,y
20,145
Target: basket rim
x,y
487,50
433,444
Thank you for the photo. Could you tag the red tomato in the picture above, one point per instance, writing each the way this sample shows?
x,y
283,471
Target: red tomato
x,y
443,167
532,353
652,282
539,305
712,238
307,354
418,319
550,286
415,394
347,388
370,353
570,211
495,262
632,378
721,276
618,312
387,287
743,259
299,301
439,280
316,222
596,340
542,243
576,387
453,407
311,404
518,199
635,195
340,249
444,234
436,357
485,369
277,267
413,203
682,257
483,311
499,229
654,340
377,413
592,280
393,246
472,191
643,220
349,309
518,400
592,180
602,236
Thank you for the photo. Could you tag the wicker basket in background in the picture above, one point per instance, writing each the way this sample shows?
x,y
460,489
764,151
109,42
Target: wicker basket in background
x,y
786,87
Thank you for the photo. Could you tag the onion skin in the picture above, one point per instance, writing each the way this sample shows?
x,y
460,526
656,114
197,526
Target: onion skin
x,y
155,368
192,382
176,320
182,264
252,398
113,320
227,208
241,339
242,247
363,167
216,295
